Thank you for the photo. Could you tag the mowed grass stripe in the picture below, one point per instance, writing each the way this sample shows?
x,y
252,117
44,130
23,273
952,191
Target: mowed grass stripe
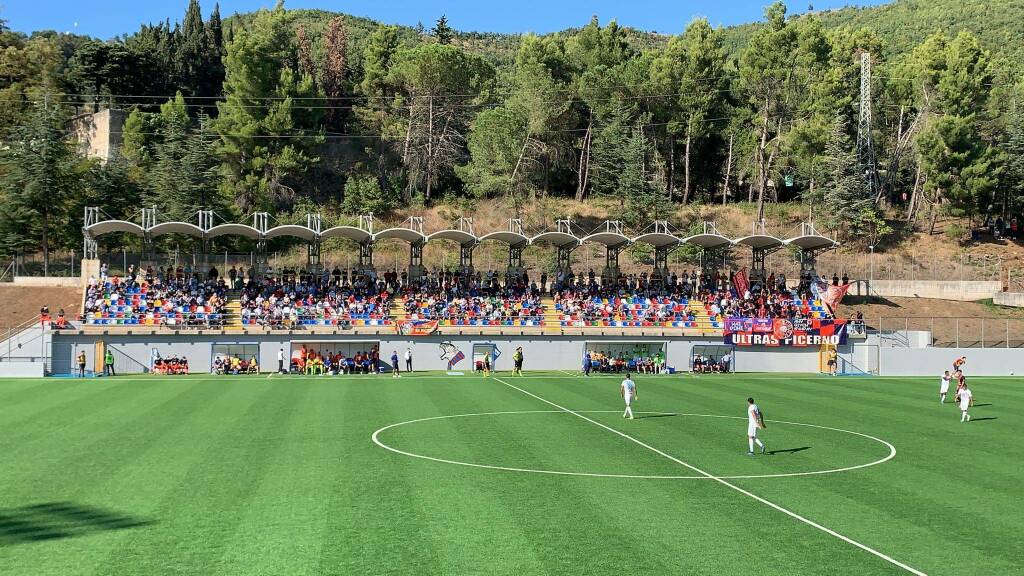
x,y
371,524
703,440
290,495
833,539
102,441
592,527
457,514
239,474
905,495
198,516
63,407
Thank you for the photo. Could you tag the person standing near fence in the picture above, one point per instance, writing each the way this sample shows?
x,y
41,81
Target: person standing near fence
x,y
408,359
81,363
108,363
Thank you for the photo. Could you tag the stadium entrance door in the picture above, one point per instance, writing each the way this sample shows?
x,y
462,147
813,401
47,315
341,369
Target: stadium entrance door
x,y
481,351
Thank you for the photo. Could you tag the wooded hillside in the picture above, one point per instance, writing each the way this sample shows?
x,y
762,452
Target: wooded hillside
x,y
310,111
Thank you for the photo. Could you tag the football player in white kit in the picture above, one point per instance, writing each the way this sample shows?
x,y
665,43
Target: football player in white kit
x,y
628,392
944,386
966,399
755,420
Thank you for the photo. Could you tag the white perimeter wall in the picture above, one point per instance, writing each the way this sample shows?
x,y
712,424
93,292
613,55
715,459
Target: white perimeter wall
x,y
965,291
132,353
22,369
932,361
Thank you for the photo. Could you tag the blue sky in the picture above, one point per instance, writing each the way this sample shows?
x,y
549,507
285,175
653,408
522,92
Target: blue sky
x,y
109,18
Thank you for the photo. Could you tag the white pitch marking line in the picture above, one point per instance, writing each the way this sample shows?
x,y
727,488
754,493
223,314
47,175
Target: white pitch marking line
x,y
726,483
376,440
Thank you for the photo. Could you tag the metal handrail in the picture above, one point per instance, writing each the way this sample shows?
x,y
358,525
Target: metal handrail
x,y
7,270
13,333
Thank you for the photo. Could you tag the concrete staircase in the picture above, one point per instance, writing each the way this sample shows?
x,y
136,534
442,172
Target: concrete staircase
x,y
397,309
233,314
552,317
701,316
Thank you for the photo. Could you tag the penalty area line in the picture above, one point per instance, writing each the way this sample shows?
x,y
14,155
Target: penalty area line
x,y
725,483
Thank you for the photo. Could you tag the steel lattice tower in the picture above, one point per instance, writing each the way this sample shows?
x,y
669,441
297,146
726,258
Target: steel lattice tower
x,y
865,145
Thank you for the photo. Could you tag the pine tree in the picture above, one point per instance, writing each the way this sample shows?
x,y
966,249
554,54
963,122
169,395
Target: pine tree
x,y
213,66
610,152
643,202
38,173
270,120
191,54
1014,190
846,199
442,32
333,72
305,52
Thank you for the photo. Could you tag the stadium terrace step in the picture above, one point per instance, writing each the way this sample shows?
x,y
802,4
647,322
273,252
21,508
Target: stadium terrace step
x,y
702,316
552,320
397,309
233,314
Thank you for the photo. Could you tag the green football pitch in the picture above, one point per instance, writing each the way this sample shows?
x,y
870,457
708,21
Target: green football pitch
x,y
438,474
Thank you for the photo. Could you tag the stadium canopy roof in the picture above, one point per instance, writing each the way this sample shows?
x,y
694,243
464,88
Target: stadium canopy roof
x,y
759,241
510,238
351,232
556,238
658,239
294,230
460,236
112,226
184,228
408,234
812,242
708,241
243,230
606,238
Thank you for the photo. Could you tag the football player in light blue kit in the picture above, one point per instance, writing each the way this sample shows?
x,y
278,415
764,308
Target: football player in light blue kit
x,y
628,391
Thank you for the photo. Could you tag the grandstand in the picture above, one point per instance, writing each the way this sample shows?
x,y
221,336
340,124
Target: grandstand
x,y
767,321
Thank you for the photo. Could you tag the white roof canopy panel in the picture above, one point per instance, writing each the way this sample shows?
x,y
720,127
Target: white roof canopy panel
x,y
112,226
233,230
812,242
606,238
459,236
295,230
708,241
184,228
556,238
408,234
510,238
658,239
350,232
759,241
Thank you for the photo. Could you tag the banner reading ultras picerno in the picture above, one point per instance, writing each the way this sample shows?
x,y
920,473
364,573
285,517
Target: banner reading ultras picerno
x,y
796,332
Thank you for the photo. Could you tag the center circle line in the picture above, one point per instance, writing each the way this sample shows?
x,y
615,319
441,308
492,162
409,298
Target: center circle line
x,y
376,440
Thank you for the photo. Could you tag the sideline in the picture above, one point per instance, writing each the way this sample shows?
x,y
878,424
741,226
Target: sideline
x,y
725,483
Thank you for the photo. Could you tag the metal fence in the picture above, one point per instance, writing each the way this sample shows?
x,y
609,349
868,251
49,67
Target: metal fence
x,y
954,332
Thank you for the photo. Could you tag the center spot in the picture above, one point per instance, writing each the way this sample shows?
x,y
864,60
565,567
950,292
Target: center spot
x,y
556,442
